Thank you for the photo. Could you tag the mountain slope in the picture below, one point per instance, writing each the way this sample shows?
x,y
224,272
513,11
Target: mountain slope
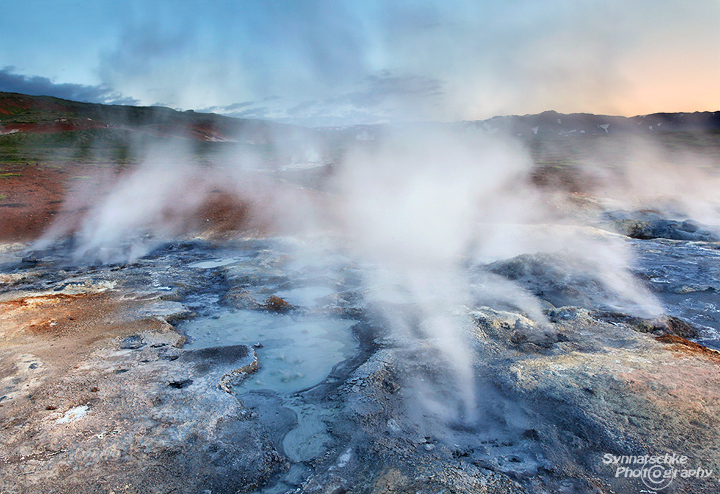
x,y
553,124
23,113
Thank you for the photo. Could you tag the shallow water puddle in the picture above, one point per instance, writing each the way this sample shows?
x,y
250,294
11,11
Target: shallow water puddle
x,y
310,439
215,263
308,296
294,352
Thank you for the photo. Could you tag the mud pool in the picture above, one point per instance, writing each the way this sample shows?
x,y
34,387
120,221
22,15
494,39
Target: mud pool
x,y
294,352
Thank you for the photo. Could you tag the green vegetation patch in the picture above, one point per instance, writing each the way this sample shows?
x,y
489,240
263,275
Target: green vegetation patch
x,y
11,174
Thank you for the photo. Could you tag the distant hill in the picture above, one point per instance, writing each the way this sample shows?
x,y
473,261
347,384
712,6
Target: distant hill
x,y
553,124
23,113
42,128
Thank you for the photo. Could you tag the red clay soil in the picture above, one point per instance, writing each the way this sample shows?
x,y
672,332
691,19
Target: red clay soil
x,y
19,103
684,346
59,311
36,198
68,119
32,197
57,126
224,211
199,132
74,322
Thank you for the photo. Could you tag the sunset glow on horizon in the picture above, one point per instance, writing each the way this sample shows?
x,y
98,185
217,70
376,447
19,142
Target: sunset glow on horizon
x,y
339,63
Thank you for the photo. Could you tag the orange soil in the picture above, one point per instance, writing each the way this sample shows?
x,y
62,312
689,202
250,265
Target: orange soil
x,y
87,317
681,345
32,199
58,126
38,199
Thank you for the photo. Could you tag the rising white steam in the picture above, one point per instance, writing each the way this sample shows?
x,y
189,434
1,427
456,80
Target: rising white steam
x,y
413,206
121,218
420,206
423,206
149,204
669,177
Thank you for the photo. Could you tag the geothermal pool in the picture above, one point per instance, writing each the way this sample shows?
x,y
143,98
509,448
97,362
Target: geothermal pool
x,y
295,352
308,353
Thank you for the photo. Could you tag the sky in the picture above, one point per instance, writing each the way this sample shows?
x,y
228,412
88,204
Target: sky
x,y
337,62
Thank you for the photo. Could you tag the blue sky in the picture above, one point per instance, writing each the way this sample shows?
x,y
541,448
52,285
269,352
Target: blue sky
x,y
318,62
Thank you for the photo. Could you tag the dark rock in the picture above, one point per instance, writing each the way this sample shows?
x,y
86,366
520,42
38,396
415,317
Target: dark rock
x,y
132,342
337,489
180,384
638,323
561,280
689,226
31,258
674,326
216,355
665,325
531,434
646,225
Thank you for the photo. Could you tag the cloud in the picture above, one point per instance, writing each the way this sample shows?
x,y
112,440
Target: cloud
x,y
141,47
386,87
377,98
12,82
247,51
378,60
250,109
237,106
226,109
260,112
307,47
302,108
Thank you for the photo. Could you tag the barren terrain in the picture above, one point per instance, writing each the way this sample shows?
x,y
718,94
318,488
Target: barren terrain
x,y
201,326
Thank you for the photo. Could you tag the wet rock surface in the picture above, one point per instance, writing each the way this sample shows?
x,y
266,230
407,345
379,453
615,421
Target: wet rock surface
x,y
559,279
649,224
110,381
